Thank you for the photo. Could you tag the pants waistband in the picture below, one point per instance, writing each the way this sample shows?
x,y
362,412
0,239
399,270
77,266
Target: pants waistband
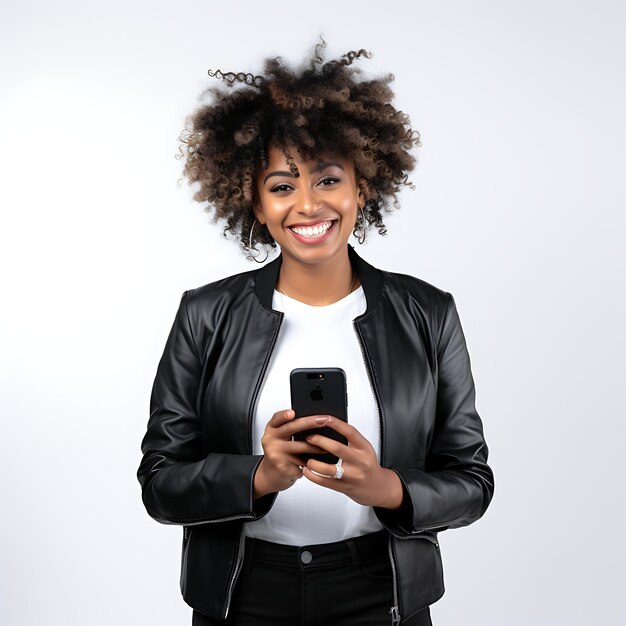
x,y
316,555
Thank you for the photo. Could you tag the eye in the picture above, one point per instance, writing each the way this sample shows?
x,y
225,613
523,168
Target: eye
x,y
280,187
328,181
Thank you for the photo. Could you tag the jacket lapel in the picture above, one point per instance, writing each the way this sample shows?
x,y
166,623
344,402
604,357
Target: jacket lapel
x,y
370,277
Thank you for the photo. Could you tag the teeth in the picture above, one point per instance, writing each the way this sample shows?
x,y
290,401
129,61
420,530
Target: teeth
x,y
312,231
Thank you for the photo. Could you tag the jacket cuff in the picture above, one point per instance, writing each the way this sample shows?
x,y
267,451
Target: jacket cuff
x,y
399,521
261,506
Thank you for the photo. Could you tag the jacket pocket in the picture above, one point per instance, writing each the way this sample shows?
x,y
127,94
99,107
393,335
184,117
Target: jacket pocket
x,y
420,570
438,562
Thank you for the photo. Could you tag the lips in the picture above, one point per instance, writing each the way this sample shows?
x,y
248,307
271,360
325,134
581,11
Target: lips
x,y
312,233
312,230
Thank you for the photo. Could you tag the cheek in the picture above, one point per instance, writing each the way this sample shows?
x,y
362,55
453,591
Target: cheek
x,y
349,208
275,221
273,211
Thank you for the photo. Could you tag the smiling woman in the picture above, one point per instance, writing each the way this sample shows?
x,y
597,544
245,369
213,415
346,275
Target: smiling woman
x,y
302,160
321,108
311,214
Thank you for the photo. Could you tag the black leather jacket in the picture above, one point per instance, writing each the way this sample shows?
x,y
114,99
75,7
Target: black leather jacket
x,y
198,468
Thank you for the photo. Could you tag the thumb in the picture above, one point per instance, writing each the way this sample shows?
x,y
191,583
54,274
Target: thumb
x,y
281,417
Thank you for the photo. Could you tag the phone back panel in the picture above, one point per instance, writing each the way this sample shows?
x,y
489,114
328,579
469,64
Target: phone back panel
x,y
320,391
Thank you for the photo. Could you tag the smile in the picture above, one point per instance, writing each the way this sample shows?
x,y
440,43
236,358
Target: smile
x,y
312,232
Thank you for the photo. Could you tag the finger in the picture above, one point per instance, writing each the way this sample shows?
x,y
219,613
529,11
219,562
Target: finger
x,y
305,423
281,417
330,445
351,433
300,447
325,469
329,483
287,463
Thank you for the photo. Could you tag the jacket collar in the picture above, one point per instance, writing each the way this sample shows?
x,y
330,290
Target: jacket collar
x,y
371,279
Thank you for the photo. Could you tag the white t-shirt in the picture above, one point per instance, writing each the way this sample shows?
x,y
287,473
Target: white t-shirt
x,y
317,336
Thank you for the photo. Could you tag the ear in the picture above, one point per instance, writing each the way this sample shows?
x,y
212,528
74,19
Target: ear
x,y
361,199
258,212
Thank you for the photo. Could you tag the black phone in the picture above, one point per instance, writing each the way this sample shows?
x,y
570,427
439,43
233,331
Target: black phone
x,y
319,391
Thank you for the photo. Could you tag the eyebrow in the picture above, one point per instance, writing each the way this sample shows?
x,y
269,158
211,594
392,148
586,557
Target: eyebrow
x,y
318,167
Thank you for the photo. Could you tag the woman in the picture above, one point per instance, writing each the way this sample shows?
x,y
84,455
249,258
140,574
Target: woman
x,y
302,159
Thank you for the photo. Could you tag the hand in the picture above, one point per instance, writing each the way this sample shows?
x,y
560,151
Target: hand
x,y
280,467
364,480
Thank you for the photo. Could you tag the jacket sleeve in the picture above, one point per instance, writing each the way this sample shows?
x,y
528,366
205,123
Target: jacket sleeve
x,y
181,485
457,485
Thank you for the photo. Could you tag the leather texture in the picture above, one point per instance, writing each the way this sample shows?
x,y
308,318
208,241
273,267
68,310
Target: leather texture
x,y
197,468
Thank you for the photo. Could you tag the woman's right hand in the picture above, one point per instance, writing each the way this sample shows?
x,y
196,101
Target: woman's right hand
x,y
280,466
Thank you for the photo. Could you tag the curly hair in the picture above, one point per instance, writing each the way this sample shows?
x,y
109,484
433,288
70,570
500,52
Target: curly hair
x,y
321,108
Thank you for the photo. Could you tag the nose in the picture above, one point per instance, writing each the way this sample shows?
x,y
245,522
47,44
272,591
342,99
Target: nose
x,y
308,202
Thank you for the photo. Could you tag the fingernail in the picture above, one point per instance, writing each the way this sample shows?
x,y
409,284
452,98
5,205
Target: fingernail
x,y
322,420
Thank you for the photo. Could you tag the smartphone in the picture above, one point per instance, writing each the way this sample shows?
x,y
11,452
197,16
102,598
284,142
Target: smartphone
x,y
319,391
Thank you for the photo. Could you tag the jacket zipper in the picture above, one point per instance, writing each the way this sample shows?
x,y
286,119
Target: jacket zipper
x,y
374,393
241,546
240,555
395,609
267,365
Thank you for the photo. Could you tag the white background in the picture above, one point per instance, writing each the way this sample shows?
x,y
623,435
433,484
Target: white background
x,y
518,211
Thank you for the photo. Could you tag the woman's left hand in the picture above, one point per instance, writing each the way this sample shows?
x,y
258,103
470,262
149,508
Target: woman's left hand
x,y
363,480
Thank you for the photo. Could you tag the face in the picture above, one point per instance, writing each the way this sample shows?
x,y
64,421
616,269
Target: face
x,y
312,216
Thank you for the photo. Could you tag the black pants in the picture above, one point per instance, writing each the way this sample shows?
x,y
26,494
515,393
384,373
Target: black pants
x,y
346,583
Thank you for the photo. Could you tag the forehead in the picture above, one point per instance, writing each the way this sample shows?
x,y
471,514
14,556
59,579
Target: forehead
x,y
278,158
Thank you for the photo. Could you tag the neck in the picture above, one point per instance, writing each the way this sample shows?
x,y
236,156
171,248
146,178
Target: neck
x,y
317,284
